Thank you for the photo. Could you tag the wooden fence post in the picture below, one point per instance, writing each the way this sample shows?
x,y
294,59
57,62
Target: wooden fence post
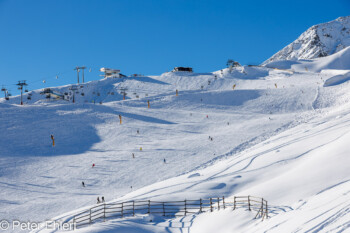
x,y
266,211
185,208
90,217
149,206
223,201
104,211
262,208
218,203
163,209
249,203
133,208
211,205
200,205
234,203
121,212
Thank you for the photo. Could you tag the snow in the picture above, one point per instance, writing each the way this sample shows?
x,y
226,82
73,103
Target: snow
x,y
318,41
281,134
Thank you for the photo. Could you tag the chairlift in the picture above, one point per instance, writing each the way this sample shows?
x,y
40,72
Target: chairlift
x,y
44,81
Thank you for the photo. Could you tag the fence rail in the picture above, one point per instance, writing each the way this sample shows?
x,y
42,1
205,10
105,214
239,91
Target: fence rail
x,y
103,211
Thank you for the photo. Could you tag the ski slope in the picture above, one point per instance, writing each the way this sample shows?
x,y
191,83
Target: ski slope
x,y
279,134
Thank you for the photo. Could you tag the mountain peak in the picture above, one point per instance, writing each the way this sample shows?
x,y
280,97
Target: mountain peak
x,y
318,41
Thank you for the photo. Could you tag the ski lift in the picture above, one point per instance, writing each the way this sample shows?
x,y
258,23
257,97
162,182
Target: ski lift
x,y
44,81
90,70
56,76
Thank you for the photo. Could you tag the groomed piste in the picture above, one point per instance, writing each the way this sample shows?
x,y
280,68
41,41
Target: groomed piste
x,y
280,132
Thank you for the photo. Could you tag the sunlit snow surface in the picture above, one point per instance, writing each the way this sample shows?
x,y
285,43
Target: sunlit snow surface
x,y
280,134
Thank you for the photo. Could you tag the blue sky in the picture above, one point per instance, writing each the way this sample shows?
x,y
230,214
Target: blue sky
x,y
40,39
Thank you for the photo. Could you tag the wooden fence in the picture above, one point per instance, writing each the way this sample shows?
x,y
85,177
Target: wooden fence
x,y
104,211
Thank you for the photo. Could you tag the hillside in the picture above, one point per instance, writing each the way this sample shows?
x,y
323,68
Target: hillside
x,y
318,41
280,134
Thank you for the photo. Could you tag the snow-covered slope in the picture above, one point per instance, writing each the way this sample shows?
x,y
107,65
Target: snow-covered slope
x,y
278,134
337,61
318,41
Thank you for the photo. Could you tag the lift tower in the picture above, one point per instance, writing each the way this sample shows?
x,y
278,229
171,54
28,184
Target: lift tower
x,y
20,85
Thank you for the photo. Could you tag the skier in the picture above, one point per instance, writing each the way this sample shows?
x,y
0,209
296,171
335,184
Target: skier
x,y
137,131
103,199
207,116
93,165
98,200
164,161
82,183
133,155
53,140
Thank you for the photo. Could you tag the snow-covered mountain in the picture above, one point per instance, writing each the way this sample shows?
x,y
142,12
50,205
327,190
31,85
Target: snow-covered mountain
x,y
318,41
